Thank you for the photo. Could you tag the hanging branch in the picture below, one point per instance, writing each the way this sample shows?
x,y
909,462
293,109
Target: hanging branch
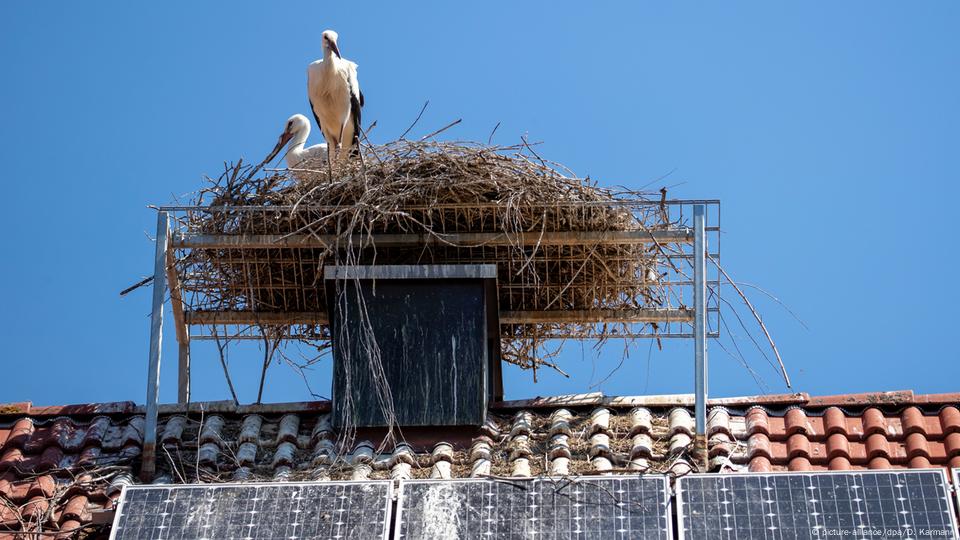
x,y
756,315
221,348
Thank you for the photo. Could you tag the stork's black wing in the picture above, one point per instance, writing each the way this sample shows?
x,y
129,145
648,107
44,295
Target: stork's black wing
x,y
315,117
355,104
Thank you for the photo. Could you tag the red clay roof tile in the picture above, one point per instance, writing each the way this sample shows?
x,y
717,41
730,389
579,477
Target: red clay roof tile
x,y
799,463
760,464
718,421
758,445
11,458
757,421
838,446
913,421
20,433
798,445
19,491
897,398
35,509
950,419
874,422
96,431
877,445
49,459
75,509
839,463
937,399
85,410
68,529
834,421
721,444
952,444
9,518
795,422
21,407
916,444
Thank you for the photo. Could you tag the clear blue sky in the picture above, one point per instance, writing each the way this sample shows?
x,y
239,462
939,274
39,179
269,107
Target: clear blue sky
x,y
831,132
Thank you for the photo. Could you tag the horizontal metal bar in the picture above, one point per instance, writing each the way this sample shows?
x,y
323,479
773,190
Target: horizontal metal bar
x,y
642,315
540,258
627,335
579,337
254,241
688,255
192,287
252,318
411,271
451,206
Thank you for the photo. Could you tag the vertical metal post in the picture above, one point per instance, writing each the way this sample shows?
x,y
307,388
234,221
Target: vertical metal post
x,y
182,330
700,329
149,465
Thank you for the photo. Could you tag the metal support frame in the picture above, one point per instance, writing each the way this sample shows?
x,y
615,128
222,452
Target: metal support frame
x,y
165,275
180,323
700,331
149,466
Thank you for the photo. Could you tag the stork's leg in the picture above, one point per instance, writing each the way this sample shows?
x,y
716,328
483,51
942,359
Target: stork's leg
x,y
356,145
343,128
330,153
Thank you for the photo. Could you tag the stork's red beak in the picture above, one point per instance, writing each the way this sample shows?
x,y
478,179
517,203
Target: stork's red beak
x,y
284,139
334,48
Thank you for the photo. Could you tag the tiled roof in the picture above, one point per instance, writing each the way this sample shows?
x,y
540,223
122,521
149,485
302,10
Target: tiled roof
x,y
61,467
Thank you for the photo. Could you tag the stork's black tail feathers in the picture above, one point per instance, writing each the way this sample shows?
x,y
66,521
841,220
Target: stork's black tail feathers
x,y
355,105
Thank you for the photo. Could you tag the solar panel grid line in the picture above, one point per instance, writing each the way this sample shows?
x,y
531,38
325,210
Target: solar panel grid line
x,y
255,511
864,504
544,508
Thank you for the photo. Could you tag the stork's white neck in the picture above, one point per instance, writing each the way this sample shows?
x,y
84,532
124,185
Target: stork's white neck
x,y
295,148
300,138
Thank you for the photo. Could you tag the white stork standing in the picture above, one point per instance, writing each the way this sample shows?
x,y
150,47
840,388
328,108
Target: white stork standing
x,y
335,99
295,133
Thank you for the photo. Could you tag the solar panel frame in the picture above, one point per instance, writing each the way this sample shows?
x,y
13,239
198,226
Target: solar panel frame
x,y
679,494
665,503
387,499
956,491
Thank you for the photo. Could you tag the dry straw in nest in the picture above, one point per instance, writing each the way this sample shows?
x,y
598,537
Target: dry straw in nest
x,y
433,189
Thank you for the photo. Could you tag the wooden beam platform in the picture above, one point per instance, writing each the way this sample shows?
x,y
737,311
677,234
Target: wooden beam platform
x,y
643,315
569,238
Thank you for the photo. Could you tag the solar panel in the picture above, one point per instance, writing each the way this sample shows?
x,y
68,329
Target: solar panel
x,y
267,511
542,508
956,486
864,504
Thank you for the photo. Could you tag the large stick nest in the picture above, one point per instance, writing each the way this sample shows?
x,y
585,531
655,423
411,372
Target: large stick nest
x,y
435,189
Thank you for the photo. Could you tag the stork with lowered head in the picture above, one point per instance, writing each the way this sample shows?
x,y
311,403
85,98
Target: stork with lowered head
x,y
294,135
335,99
